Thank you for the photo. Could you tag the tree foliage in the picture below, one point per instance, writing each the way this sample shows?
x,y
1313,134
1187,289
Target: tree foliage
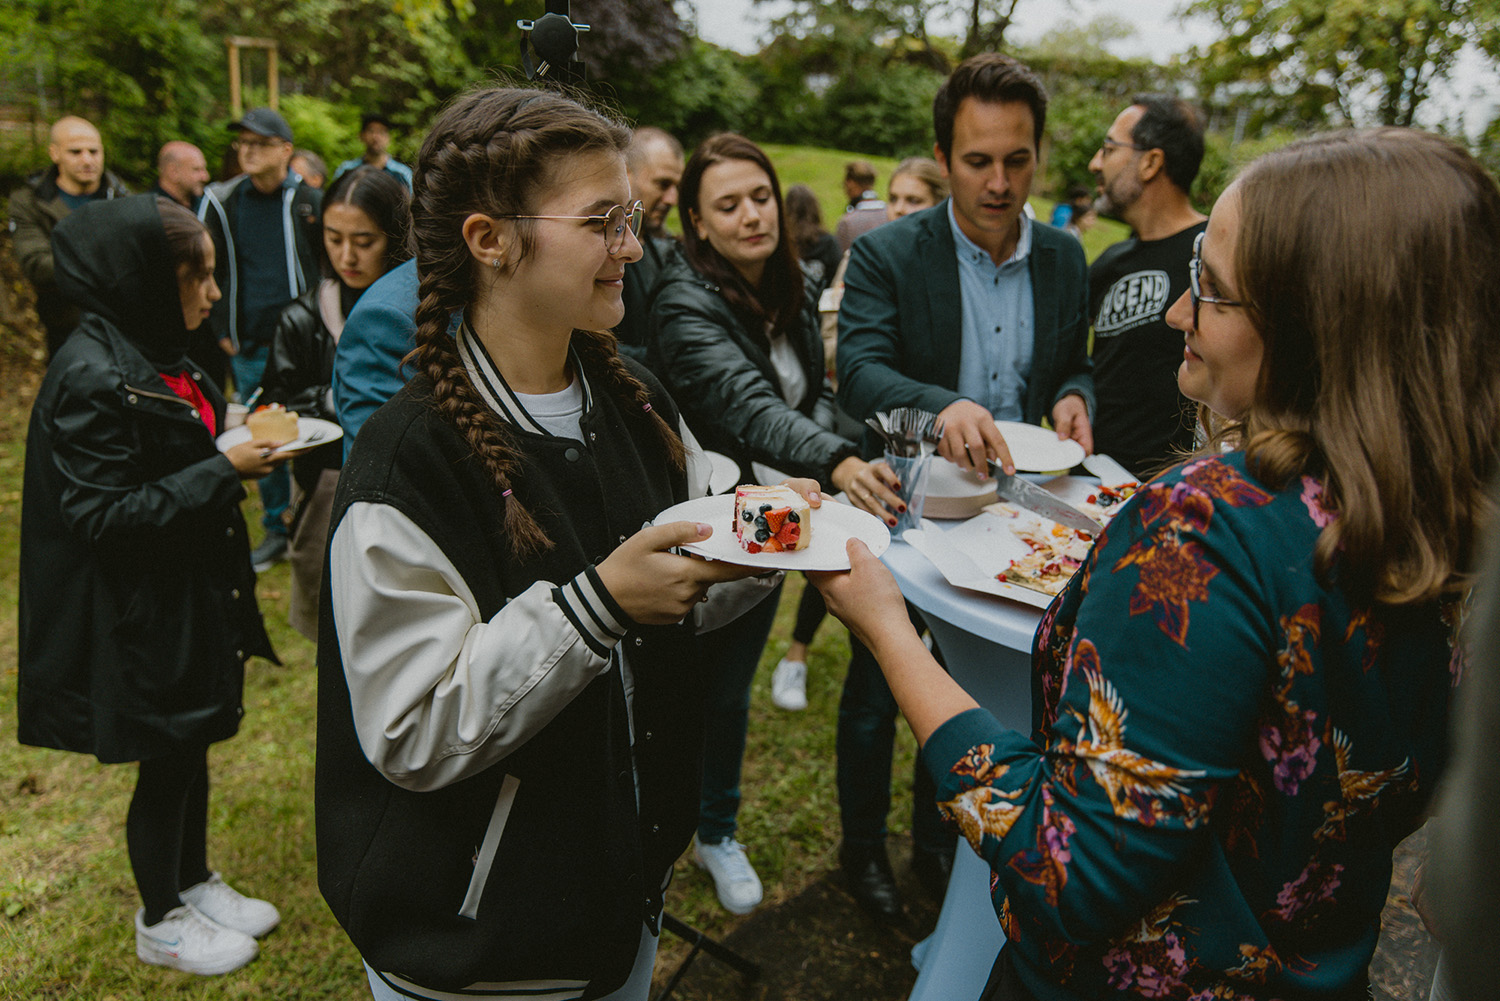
x,y
1352,62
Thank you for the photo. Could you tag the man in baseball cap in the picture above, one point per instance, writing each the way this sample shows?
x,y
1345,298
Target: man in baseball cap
x,y
264,226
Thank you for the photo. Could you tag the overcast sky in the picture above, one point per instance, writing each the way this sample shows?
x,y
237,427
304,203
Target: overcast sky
x,y
1474,87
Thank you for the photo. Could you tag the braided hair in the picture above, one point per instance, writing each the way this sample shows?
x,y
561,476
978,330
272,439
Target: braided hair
x,y
491,151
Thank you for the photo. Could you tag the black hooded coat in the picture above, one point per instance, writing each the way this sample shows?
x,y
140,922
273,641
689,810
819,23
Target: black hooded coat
x,y
137,599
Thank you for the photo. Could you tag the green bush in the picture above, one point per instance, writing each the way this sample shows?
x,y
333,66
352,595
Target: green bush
x,y
328,129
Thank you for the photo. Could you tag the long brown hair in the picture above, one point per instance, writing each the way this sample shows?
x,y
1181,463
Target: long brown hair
x,y
782,293
1370,265
493,151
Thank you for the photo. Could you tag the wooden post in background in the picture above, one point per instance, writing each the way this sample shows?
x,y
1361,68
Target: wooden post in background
x,y
273,77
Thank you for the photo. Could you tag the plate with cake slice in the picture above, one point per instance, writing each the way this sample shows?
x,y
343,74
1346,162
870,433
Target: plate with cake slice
x,y
775,528
304,432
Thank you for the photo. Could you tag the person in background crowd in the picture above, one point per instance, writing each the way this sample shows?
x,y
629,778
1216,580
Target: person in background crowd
x,y
510,690
917,183
866,210
654,165
265,231
375,133
76,177
1241,698
735,339
366,219
181,173
310,167
817,251
1066,211
970,311
1145,169
137,602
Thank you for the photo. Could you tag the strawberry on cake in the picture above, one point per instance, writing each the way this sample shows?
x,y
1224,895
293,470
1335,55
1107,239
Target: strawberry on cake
x,y
771,519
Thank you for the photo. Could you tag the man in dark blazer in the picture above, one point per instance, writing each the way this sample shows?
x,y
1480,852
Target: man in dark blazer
x,y
907,289
973,312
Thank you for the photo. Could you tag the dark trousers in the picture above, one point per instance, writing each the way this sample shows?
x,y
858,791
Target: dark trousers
x,y
866,738
731,655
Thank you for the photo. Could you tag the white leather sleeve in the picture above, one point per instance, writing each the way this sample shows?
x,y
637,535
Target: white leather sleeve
x,y
439,693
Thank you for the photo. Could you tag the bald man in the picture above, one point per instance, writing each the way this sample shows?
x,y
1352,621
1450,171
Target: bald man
x,y
181,173
76,177
654,164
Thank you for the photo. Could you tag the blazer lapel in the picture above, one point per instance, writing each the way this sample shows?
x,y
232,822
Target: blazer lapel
x,y
937,261
1044,334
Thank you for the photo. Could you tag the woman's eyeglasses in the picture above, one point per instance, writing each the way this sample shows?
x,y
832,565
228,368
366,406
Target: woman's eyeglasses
x,y
1195,292
615,222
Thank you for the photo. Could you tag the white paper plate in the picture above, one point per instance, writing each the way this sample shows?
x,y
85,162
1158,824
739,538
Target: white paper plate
x,y
1038,450
833,525
723,473
307,427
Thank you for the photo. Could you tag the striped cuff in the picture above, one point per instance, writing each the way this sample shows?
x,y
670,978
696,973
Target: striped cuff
x,y
588,605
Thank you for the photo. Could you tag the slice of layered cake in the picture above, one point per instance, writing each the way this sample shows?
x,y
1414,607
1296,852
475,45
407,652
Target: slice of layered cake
x,y
771,519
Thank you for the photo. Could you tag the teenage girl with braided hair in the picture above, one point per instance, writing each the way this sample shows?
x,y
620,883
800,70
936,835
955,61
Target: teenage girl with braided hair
x,y
510,716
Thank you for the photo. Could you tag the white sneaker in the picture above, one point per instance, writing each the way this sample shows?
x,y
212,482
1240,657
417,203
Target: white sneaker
x,y
187,940
225,905
735,880
789,685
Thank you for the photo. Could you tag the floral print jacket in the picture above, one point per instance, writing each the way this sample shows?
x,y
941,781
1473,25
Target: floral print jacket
x,y
1225,752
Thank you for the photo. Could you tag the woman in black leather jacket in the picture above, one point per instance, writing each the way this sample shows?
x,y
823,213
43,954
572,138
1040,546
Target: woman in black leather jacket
x,y
735,338
366,216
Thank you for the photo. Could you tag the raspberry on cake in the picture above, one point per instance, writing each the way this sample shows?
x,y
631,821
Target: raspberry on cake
x,y
771,519
273,422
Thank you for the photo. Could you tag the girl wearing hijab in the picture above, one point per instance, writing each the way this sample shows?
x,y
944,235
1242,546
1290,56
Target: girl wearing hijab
x,y
137,601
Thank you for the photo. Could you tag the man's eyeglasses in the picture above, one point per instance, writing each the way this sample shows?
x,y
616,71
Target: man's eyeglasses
x,y
240,144
615,222
1195,293
1109,144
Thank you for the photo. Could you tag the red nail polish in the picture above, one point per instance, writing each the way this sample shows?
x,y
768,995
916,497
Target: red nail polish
x,y
901,508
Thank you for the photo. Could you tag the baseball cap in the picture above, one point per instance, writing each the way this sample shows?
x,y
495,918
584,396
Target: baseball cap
x,y
263,122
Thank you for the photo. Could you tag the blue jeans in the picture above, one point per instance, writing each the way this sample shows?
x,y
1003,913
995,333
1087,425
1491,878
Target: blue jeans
x,y
730,655
249,366
865,748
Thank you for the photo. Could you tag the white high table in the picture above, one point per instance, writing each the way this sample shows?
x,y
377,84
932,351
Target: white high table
x,y
986,642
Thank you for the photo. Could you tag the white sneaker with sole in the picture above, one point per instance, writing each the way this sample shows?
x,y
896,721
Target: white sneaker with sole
x,y
186,940
789,685
734,878
230,908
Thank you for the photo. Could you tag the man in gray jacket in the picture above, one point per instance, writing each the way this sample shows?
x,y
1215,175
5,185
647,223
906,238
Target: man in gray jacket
x,y
76,177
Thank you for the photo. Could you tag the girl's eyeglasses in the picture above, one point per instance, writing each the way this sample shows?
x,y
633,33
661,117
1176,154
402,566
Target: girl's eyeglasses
x,y
615,222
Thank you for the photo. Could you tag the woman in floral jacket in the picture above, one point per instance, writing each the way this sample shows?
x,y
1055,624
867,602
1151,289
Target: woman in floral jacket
x,y
1241,698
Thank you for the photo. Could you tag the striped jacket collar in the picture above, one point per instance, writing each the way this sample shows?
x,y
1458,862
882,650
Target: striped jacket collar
x,y
496,392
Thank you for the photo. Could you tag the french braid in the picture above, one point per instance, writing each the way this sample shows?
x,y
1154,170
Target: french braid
x,y
488,152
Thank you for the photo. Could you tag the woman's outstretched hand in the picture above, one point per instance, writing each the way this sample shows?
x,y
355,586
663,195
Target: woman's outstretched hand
x,y
865,598
657,587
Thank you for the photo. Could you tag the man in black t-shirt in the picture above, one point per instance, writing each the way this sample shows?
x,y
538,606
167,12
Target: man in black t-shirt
x,y
1144,167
